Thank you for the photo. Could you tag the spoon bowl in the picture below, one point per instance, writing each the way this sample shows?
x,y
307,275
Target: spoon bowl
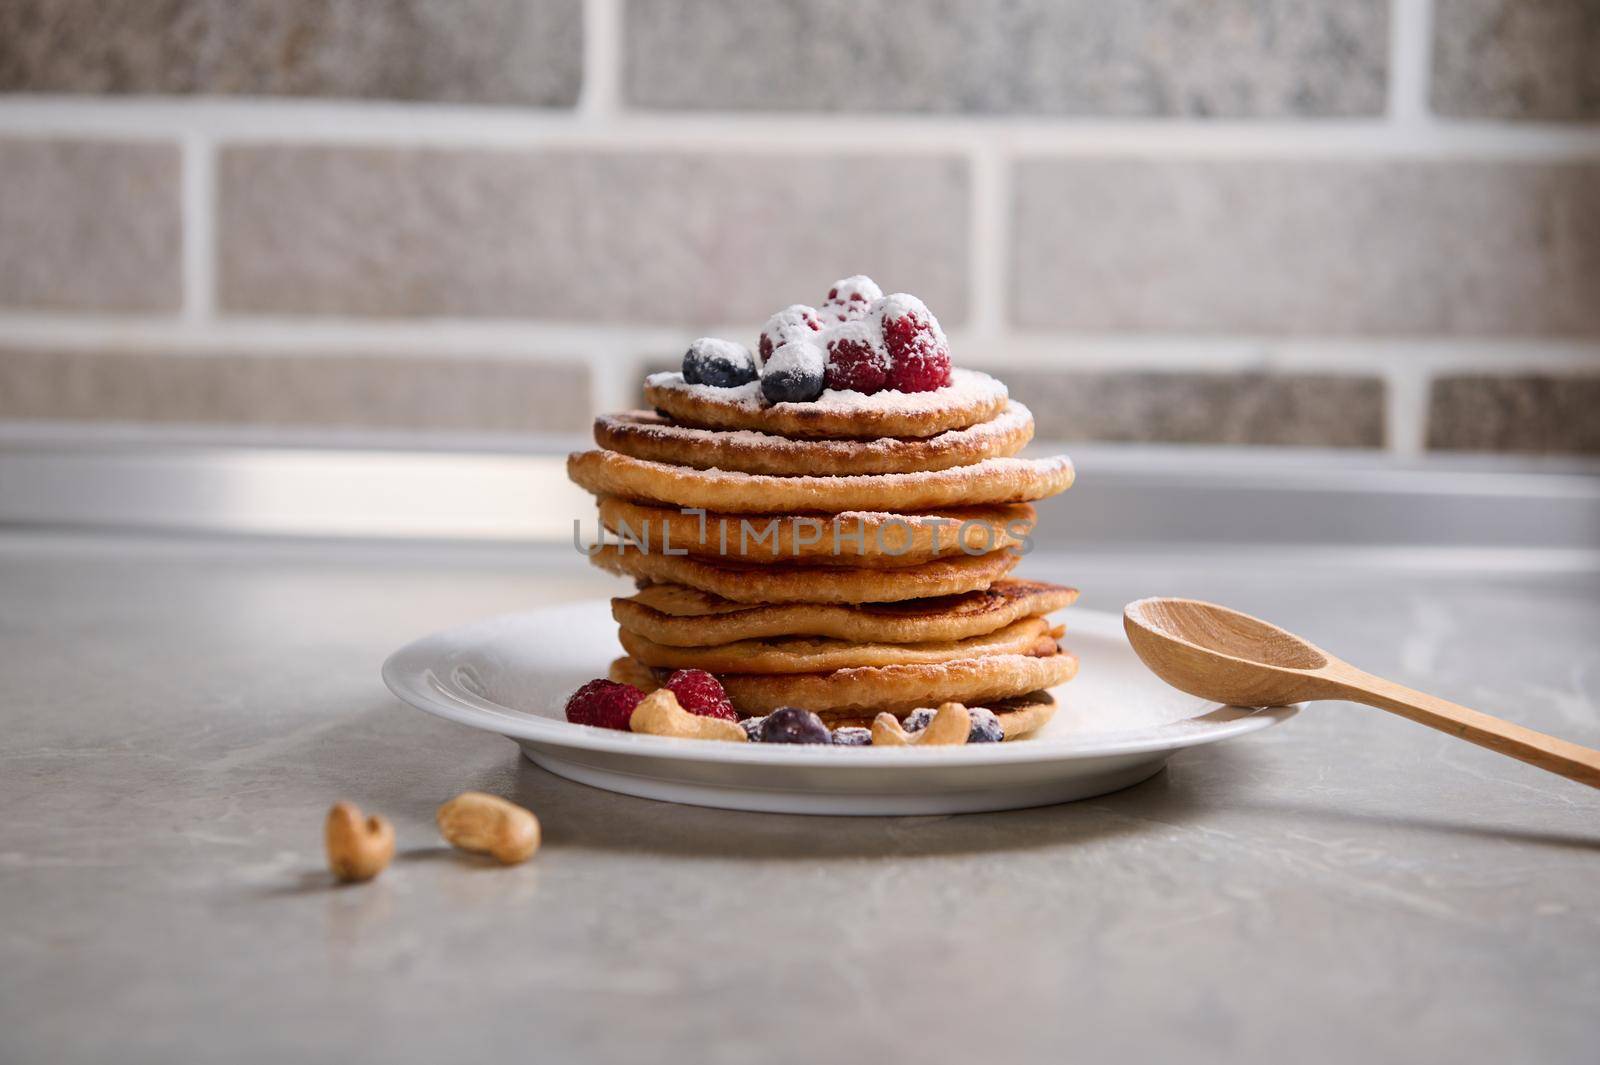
x,y
1222,655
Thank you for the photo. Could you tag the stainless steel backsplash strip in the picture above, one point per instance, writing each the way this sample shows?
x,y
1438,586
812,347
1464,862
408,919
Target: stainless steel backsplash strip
x,y
1126,497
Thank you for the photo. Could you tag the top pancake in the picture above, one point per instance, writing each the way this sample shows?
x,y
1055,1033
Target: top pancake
x,y
970,399
657,439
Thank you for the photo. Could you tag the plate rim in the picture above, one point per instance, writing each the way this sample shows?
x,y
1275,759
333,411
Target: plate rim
x,y
408,671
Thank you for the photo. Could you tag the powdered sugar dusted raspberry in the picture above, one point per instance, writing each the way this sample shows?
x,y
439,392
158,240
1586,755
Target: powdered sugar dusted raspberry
x,y
917,346
794,322
857,358
850,297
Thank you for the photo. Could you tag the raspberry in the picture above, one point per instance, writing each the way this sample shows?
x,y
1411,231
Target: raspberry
x,y
794,322
700,693
857,361
604,704
917,347
850,297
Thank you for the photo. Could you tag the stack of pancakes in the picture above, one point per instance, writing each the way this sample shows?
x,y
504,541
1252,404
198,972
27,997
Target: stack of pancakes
x,y
847,556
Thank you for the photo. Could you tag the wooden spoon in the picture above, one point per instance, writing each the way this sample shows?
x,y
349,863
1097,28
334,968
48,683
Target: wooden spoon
x,y
1228,657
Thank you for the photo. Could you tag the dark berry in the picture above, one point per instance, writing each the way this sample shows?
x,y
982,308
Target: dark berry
x,y
852,737
919,355
719,363
700,693
986,727
790,724
752,728
603,703
857,360
850,297
795,322
794,374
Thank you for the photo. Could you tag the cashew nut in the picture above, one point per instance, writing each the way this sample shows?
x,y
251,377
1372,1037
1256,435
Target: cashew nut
x,y
488,824
950,726
660,714
358,848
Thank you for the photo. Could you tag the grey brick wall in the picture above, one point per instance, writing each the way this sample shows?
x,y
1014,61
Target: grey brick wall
x,y
89,225
1321,247
1527,413
1298,58
304,390
580,236
1517,59
1247,222
474,51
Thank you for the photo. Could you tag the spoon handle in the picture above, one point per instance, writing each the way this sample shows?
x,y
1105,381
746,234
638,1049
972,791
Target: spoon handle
x,y
1570,760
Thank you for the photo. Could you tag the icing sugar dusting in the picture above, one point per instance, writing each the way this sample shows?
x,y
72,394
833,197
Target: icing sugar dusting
x,y
797,356
900,304
730,351
965,386
867,331
1014,418
747,395
796,321
851,297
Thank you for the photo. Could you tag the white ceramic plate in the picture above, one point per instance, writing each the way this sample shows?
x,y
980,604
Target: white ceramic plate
x,y
1115,725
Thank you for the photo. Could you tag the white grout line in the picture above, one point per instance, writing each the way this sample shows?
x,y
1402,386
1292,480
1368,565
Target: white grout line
x,y
617,372
380,123
602,60
1406,407
1410,62
1323,354
623,346
199,240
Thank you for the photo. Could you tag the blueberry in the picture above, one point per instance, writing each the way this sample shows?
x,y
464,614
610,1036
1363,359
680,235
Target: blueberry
x,y
752,728
795,373
985,726
790,724
852,737
719,363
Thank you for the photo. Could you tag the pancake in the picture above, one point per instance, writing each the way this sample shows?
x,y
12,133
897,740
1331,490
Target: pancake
x,y
651,437
786,583
865,691
854,538
1001,480
1019,715
811,654
679,616
970,399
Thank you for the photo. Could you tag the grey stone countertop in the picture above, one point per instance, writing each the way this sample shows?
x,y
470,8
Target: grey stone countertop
x,y
1349,887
